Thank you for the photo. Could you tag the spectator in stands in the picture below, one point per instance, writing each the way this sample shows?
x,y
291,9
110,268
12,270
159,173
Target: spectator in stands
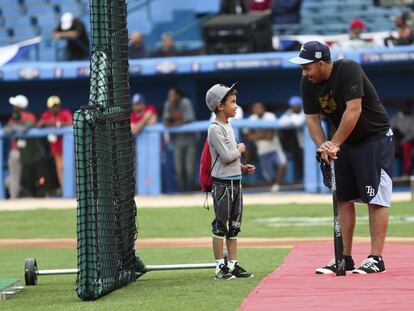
x,y
404,34
355,41
178,110
286,11
403,126
167,47
15,125
56,116
141,114
292,140
26,160
137,48
73,30
272,159
234,6
262,6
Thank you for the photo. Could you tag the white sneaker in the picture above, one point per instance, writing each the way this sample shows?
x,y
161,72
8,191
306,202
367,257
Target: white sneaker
x,y
275,188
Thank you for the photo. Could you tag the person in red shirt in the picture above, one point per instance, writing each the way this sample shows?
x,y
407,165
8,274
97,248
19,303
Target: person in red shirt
x,y
141,114
56,116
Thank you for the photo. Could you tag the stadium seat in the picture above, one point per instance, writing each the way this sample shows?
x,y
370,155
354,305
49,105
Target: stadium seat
x,y
10,9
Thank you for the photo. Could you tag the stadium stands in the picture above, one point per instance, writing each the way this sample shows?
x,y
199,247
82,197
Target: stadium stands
x,y
22,19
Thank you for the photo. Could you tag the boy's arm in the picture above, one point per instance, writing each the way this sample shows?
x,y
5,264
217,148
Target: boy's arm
x,y
248,169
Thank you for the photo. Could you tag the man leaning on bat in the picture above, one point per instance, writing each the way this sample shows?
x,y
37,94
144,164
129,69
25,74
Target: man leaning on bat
x,y
362,145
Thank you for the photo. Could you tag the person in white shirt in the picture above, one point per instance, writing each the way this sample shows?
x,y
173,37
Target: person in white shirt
x,y
292,140
272,158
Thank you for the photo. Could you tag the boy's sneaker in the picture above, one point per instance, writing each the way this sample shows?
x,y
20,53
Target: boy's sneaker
x,y
331,267
240,273
371,265
224,273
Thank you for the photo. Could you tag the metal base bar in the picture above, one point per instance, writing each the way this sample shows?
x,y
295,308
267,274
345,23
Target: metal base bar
x,y
180,267
146,268
57,271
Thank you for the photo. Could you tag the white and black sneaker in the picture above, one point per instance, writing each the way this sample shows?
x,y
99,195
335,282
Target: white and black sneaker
x,y
223,273
331,266
373,264
241,273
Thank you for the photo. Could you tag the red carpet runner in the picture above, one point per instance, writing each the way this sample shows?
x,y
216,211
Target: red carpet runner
x,y
294,286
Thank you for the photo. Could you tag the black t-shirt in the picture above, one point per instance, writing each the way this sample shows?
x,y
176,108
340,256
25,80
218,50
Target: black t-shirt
x,y
78,48
347,81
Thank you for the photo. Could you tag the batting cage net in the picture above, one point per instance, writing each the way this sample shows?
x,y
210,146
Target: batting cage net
x,y
106,228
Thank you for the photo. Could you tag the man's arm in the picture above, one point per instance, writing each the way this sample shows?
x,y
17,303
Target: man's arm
x,y
315,128
329,149
348,121
70,34
148,119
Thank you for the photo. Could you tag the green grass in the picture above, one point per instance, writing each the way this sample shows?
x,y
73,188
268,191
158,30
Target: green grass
x,y
195,222
169,290
157,290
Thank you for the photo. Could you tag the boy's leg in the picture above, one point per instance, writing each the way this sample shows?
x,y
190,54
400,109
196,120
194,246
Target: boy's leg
x,y
218,248
234,229
219,229
232,249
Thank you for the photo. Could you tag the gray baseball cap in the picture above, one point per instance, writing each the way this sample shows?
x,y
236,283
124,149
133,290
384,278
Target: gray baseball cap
x,y
216,94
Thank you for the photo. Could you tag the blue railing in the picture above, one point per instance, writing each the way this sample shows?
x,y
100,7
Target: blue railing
x,y
68,187
149,154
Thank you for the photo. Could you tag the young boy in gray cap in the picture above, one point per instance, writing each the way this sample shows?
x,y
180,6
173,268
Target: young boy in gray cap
x,y
227,173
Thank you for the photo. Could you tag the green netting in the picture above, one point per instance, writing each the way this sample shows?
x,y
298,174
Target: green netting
x,y
104,154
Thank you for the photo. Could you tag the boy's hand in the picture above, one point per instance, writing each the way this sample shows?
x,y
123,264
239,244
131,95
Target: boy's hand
x,y
248,169
241,147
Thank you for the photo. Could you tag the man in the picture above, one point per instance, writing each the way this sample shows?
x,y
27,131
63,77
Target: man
x,y
141,114
136,48
272,159
74,31
167,48
402,124
355,40
178,110
56,116
19,122
292,140
362,145
404,35
27,165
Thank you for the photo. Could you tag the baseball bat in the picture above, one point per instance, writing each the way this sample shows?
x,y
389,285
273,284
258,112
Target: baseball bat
x,y
338,243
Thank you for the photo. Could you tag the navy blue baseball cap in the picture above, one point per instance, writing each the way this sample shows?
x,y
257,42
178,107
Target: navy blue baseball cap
x,y
138,98
312,51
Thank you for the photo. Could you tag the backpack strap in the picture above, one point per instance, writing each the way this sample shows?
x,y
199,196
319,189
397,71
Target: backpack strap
x,y
205,205
217,152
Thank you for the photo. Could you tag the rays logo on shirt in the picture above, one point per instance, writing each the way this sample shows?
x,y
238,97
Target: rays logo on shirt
x,y
327,103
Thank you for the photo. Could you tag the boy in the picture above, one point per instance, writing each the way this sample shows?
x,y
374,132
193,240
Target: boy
x,y
226,173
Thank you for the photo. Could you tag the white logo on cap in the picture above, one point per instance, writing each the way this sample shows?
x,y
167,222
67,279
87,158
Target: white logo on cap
x,y
318,55
302,49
